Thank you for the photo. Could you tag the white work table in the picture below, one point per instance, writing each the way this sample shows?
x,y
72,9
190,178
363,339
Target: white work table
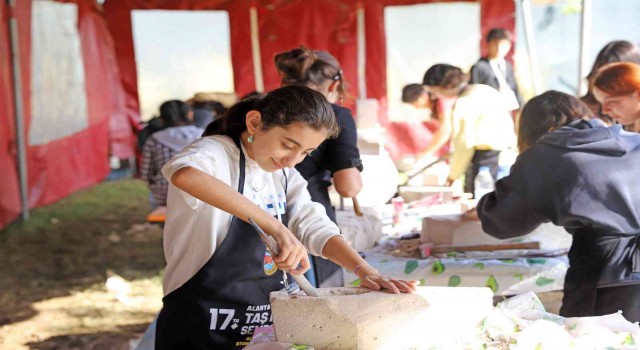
x,y
503,276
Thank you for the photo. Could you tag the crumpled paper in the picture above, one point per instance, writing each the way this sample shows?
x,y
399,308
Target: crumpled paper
x,y
522,323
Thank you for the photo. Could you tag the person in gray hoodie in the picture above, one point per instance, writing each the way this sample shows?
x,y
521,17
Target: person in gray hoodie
x,y
163,145
583,176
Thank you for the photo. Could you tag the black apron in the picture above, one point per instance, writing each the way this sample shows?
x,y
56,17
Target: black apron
x,y
326,273
603,275
222,304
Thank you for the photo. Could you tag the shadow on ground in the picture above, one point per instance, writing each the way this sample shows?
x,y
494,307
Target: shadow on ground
x,y
67,248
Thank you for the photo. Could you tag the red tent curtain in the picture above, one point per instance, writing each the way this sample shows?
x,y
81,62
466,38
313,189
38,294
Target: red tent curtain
x,y
9,186
65,165
324,24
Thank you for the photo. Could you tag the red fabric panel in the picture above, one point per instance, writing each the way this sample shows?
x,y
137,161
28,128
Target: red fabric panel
x,y
376,53
241,51
104,85
496,14
408,138
118,17
322,25
9,186
64,166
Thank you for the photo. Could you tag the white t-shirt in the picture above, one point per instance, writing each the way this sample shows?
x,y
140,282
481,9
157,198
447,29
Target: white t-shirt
x,y
194,229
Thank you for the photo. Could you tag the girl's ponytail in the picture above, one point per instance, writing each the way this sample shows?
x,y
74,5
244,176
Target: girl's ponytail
x,y
233,121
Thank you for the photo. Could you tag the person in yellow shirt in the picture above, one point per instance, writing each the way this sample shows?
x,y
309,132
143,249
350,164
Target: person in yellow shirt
x,y
478,124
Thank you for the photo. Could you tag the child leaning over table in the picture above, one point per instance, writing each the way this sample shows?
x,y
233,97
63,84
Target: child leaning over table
x,y
217,266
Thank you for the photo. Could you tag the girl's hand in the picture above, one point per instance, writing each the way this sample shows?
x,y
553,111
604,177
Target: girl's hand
x,y
372,279
293,257
471,214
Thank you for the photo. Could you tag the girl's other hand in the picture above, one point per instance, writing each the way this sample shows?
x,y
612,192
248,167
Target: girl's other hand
x,y
372,279
293,256
471,214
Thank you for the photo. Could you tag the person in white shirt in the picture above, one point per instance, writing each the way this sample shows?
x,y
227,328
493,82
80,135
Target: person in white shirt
x,y
497,72
219,273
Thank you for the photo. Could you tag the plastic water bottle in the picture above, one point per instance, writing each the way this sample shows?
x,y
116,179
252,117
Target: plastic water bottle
x,y
503,170
505,161
483,183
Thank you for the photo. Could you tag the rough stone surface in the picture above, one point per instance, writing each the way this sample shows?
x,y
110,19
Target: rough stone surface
x,y
358,318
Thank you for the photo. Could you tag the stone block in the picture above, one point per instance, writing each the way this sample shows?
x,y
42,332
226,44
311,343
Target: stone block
x,y
413,193
454,230
358,318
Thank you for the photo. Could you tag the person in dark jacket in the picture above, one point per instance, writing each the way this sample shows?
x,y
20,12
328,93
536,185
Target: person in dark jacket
x,y
336,161
495,71
582,176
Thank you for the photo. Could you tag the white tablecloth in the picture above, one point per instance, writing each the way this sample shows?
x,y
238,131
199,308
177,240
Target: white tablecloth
x,y
503,276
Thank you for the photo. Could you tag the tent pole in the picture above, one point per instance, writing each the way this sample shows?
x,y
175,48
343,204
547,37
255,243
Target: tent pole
x,y
585,45
19,110
255,48
531,45
362,87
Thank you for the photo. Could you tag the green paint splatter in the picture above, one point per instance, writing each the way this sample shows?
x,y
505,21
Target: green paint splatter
x,y
422,282
479,265
410,266
437,267
492,283
538,347
508,261
543,281
518,276
356,282
454,281
452,254
384,261
536,261
629,340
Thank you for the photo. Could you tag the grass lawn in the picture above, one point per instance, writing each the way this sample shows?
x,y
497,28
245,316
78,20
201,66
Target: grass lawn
x,y
53,270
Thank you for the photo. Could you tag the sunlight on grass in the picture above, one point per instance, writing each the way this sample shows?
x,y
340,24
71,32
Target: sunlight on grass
x,y
53,270
92,310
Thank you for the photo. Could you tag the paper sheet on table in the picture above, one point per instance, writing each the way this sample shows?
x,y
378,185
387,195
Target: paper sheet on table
x,y
522,322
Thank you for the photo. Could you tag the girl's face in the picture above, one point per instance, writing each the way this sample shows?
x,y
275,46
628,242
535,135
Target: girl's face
x,y
625,109
284,147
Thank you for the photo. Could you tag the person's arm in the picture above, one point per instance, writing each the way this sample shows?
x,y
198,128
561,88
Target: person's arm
x,y
343,157
293,256
439,139
347,182
505,213
338,250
